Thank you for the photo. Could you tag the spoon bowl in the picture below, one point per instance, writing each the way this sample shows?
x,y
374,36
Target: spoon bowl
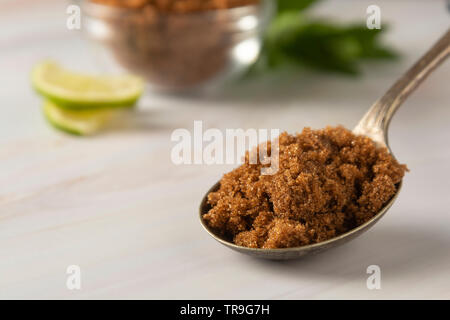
x,y
374,125
294,252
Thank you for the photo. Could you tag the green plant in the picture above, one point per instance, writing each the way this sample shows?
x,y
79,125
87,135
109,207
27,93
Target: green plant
x,y
294,40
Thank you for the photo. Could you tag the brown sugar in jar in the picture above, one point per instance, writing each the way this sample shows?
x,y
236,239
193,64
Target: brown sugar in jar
x,y
177,6
328,182
174,44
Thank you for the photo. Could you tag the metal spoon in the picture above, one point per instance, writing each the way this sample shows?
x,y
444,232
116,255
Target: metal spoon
x,y
375,125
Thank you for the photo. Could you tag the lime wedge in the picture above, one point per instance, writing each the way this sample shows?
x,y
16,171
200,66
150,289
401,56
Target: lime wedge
x,y
81,91
78,122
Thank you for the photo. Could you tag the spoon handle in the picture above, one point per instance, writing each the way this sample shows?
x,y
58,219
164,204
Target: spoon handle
x,y
376,121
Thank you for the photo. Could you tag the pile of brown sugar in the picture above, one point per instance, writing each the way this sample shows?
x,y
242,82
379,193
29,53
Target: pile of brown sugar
x,y
174,44
177,6
329,181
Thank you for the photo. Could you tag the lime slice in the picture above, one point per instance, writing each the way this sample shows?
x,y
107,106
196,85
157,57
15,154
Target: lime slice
x,y
80,91
78,122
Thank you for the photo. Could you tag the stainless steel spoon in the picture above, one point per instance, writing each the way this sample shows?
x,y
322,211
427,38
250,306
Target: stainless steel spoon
x,y
375,125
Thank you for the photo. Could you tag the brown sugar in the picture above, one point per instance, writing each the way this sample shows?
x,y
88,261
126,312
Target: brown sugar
x,y
174,44
177,6
328,182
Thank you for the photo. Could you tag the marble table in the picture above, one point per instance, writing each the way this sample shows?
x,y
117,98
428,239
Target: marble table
x,y
117,207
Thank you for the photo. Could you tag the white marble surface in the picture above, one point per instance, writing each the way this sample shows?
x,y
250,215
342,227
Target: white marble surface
x,y
116,206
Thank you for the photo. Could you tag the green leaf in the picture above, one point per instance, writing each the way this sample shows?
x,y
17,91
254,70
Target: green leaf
x,y
293,40
294,5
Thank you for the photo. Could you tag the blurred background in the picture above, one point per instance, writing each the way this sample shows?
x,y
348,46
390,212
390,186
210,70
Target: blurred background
x,y
116,205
